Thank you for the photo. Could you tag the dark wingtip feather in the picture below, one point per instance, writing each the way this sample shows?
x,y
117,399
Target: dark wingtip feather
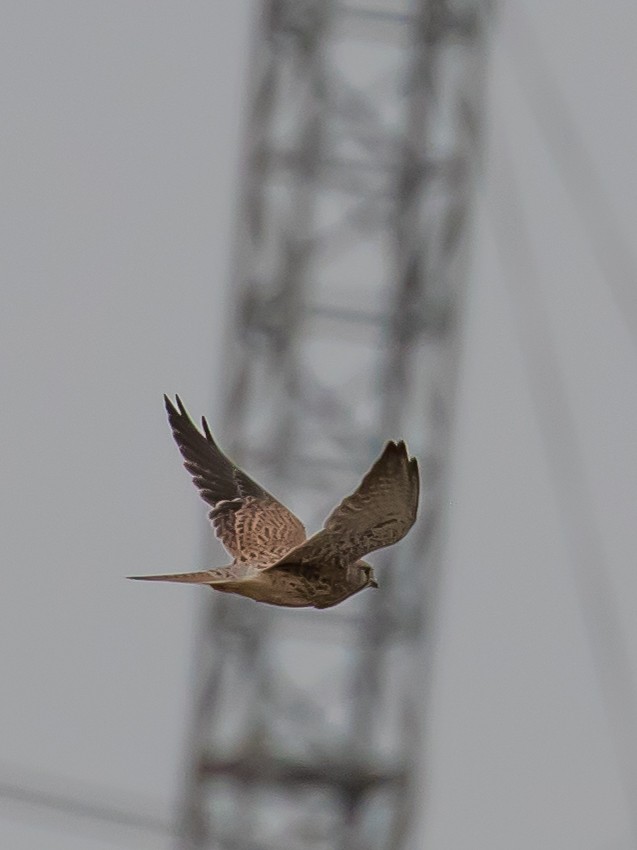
x,y
181,407
397,449
213,473
414,472
170,407
414,477
180,418
206,429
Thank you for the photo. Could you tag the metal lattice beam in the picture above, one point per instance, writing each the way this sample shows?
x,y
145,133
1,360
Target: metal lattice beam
x,y
358,174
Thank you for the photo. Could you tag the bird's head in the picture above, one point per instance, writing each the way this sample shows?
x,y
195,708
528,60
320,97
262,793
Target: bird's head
x,y
367,574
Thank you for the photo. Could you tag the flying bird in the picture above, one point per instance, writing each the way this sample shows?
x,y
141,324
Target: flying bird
x,y
273,559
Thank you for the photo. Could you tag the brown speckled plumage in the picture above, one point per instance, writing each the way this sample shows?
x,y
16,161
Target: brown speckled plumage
x,y
273,560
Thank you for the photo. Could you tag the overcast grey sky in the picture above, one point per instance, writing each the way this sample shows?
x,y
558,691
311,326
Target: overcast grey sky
x,y
121,124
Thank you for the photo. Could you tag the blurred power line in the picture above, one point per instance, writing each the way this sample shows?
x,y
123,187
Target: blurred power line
x,y
93,813
560,437
603,228
361,144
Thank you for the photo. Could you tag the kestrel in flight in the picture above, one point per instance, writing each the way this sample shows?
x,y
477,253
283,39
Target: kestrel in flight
x,y
273,559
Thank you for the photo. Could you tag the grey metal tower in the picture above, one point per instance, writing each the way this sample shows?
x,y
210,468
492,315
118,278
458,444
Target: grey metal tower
x,y
361,142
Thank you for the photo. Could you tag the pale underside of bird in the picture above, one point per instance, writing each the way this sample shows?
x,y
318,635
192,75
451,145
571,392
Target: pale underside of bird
x,y
273,559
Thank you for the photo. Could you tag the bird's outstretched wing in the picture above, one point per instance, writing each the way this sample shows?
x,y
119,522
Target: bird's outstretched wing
x,y
252,525
377,514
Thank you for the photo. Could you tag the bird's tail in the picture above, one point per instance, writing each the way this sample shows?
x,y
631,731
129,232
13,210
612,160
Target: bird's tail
x,y
205,577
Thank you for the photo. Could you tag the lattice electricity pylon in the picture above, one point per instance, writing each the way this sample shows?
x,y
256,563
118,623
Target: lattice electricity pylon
x,y
362,137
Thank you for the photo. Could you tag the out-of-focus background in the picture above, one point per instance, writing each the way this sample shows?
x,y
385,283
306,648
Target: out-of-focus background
x,y
125,141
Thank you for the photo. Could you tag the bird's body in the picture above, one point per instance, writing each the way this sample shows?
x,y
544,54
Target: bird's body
x,y
308,587
273,560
